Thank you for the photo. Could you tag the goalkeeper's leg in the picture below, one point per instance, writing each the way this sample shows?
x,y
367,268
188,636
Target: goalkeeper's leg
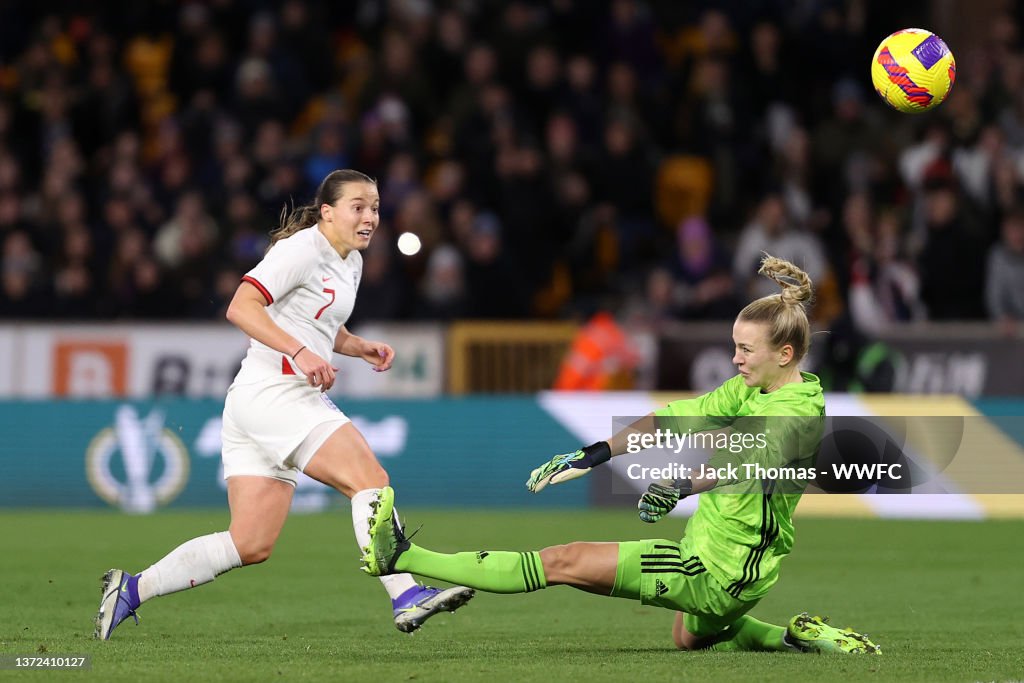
x,y
745,634
587,566
804,634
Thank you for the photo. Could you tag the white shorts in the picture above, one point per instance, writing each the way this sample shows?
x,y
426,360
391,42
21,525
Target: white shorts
x,y
273,428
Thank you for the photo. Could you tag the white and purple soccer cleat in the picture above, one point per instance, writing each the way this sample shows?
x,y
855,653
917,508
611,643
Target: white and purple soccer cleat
x,y
119,598
416,605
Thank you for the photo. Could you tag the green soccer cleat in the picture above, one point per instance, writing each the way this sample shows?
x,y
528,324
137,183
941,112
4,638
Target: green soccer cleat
x,y
814,634
387,541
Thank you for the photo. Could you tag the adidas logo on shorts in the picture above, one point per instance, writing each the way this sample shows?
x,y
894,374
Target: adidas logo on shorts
x,y
659,588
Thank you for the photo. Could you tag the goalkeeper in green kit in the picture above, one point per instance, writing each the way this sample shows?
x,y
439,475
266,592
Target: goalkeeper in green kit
x,y
741,530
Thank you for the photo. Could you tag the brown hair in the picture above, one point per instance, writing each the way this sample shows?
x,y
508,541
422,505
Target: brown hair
x,y
784,313
331,189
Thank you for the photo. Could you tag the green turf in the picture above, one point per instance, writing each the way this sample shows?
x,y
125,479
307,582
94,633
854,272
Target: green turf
x,y
943,599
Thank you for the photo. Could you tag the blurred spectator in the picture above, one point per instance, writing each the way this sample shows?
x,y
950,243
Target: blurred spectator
x,y
443,291
631,38
1004,276
581,100
702,273
542,88
189,230
624,178
329,153
383,291
246,239
74,286
445,55
654,307
602,357
843,142
496,288
951,256
257,96
302,36
769,231
22,293
884,288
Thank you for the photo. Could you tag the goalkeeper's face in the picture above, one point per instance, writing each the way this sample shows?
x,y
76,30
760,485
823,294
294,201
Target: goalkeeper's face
x,y
760,364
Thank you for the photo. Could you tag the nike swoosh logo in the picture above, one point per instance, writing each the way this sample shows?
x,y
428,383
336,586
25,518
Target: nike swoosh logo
x,y
124,588
325,278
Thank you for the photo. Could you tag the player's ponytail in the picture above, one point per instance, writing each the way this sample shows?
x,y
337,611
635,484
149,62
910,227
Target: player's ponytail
x,y
331,189
784,313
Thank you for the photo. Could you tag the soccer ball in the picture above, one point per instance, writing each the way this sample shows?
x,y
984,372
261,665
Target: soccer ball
x,y
913,70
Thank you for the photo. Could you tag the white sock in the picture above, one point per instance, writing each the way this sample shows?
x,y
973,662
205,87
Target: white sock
x,y
191,564
396,584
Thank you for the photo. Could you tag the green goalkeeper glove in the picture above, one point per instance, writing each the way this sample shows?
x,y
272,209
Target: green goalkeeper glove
x,y
569,466
662,497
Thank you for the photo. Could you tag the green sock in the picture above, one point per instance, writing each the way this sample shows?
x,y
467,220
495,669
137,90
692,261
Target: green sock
x,y
747,633
494,571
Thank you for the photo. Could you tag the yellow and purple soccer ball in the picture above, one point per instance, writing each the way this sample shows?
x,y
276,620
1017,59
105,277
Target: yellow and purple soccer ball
x,y
913,70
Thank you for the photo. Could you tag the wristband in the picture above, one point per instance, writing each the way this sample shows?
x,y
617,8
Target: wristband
x,y
298,352
684,486
598,453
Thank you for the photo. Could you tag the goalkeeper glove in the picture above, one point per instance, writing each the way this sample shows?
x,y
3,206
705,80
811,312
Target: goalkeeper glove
x,y
569,466
662,497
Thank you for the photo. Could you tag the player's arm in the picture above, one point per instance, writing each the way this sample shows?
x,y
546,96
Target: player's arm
x,y
662,497
248,312
377,354
723,401
566,466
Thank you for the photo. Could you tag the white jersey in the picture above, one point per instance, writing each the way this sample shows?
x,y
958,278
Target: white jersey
x,y
310,291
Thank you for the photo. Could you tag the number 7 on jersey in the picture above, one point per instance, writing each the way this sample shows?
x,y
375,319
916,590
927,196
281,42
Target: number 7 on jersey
x,y
320,312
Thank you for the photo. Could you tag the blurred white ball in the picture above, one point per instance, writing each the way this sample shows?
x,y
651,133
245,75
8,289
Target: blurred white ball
x,y
409,244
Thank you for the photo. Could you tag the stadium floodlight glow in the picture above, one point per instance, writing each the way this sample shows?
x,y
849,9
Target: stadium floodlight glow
x,y
409,244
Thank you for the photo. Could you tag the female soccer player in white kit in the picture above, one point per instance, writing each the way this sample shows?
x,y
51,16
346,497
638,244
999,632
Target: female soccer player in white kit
x,y
277,420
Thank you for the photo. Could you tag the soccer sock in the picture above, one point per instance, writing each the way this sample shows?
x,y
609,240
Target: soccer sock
x,y
396,584
495,571
747,633
191,564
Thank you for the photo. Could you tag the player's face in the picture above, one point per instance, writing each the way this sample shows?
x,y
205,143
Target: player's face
x,y
354,217
760,364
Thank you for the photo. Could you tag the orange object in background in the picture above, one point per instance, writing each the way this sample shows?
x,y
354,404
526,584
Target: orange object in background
x,y
90,368
601,357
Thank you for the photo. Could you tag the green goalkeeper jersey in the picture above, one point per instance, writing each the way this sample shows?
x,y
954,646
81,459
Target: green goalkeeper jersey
x,y
744,527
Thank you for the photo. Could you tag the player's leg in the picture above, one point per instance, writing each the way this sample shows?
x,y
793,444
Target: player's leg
x,y
672,575
259,507
690,632
587,566
747,634
344,461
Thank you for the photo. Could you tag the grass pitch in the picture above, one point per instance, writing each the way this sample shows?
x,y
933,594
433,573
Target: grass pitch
x,y
943,599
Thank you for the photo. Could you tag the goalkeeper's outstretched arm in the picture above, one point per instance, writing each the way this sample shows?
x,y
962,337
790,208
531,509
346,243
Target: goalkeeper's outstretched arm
x,y
567,466
619,442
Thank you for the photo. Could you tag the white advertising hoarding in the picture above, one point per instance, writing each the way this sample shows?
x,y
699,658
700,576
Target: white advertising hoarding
x,y
194,360
418,370
7,352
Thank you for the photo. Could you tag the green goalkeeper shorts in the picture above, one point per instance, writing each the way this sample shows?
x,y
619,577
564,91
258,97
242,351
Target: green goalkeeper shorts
x,y
669,574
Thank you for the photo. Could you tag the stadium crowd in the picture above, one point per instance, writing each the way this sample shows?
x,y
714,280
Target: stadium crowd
x,y
555,158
